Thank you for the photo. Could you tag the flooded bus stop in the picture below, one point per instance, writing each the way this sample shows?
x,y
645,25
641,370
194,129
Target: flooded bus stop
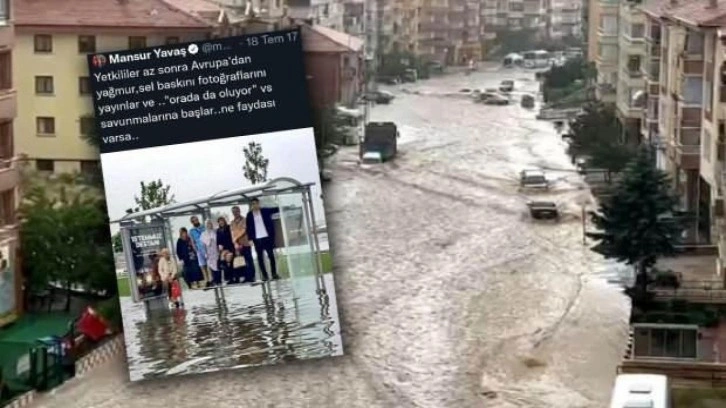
x,y
230,325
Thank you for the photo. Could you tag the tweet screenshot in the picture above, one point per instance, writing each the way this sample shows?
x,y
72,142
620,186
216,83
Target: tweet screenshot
x,y
212,179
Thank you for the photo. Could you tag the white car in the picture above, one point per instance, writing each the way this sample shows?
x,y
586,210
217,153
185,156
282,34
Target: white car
x,y
371,158
533,179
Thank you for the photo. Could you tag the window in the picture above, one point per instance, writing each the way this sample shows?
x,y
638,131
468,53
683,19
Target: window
x,y
6,71
693,90
5,10
694,43
171,40
137,42
637,30
87,125
6,140
45,165
45,126
44,85
634,64
43,43
7,207
90,167
516,7
84,86
609,25
86,44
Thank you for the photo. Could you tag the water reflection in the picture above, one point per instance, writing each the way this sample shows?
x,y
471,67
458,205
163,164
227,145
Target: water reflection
x,y
245,326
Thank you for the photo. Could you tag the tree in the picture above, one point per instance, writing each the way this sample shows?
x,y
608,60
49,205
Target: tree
x,y
116,241
65,240
255,168
640,222
153,195
594,135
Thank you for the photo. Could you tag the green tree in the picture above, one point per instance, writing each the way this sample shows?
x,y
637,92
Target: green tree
x,y
65,240
640,222
255,167
594,135
154,194
117,244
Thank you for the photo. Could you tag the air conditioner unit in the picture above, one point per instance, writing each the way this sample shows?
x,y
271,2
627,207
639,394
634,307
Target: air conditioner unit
x,y
718,208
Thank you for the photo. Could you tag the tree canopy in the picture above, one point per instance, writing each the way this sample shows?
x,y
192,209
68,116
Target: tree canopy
x,y
595,135
65,240
255,167
154,194
640,222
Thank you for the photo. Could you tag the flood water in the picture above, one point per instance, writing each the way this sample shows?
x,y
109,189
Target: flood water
x,y
266,323
450,295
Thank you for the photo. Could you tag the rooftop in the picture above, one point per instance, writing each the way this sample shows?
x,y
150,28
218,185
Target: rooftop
x,y
202,8
322,39
697,13
104,13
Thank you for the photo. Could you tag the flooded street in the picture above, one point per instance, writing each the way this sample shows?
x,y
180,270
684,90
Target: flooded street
x,y
241,326
449,295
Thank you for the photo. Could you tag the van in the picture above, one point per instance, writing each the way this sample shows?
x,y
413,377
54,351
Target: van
x,y
641,391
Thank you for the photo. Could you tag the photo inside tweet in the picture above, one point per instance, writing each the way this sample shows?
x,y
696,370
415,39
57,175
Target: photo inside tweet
x,y
213,187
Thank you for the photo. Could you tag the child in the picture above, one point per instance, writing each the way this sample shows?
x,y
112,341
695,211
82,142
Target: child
x,y
226,267
175,292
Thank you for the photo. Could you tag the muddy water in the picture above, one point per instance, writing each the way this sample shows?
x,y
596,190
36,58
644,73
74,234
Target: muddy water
x,y
449,295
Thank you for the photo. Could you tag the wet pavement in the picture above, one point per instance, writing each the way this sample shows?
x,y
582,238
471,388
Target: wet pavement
x,y
237,326
449,295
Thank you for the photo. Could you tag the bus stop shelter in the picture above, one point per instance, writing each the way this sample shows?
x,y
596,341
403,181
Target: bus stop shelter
x,y
145,233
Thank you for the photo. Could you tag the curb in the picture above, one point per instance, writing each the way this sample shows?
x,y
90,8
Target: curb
x,y
100,355
23,400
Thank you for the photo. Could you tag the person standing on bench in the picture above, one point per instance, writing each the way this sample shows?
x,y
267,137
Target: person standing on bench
x,y
261,230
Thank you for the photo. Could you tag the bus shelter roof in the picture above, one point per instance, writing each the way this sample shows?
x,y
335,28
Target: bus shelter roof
x,y
276,186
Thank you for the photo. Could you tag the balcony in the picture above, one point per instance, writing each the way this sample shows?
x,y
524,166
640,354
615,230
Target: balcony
x,y
688,157
690,66
8,104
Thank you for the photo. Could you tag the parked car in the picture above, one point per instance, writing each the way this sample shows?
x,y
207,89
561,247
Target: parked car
x,y
410,75
496,99
382,97
388,80
527,101
533,179
506,86
543,210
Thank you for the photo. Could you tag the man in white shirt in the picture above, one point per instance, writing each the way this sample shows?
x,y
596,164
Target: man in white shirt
x,y
261,230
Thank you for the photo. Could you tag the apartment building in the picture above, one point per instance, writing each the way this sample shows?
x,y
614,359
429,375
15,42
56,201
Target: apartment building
x,y
50,71
607,58
631,58
564,19
354,19
500,16
465,30
433,31
11,287
593,27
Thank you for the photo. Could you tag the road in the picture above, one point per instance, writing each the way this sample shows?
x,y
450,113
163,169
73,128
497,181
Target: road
x,y
449,295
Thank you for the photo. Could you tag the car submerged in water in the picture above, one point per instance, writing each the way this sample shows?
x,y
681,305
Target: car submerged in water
x,y
543,210
534,179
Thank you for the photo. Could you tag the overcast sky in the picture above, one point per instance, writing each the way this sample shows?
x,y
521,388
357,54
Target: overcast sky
x,y
195,170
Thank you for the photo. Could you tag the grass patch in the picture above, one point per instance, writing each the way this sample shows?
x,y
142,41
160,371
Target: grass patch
x,y
282,269
699,397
